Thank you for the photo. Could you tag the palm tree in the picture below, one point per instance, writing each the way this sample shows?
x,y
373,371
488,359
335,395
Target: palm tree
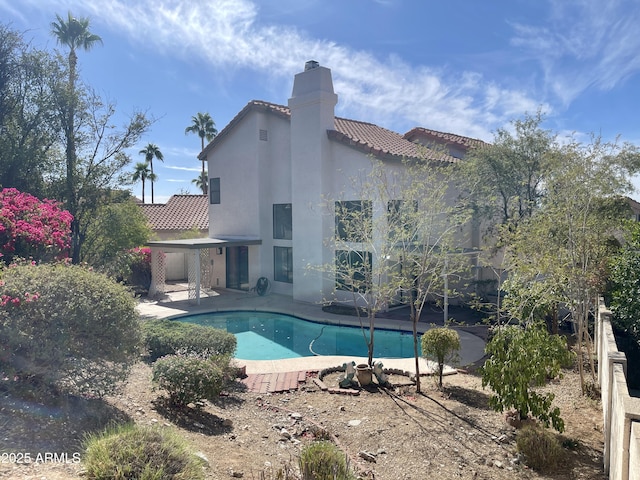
x,y
202,182
149,152
142,172
73,33
203,125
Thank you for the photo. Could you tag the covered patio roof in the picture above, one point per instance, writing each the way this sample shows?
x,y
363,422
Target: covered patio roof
x,y
194,246
200,243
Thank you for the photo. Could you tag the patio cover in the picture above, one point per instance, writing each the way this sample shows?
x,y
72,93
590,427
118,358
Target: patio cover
x,y
197,250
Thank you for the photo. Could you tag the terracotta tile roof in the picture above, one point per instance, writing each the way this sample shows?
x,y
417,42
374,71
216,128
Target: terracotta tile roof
x,y
443,138
181,212
364,136
381,142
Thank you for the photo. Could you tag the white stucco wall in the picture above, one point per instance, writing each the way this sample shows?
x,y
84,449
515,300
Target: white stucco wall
x,y
297,164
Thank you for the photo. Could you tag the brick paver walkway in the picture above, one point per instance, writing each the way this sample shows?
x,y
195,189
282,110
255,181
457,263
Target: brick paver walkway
x,y
274,382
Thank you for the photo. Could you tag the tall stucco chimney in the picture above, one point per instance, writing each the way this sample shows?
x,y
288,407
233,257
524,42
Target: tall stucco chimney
x,y
312,105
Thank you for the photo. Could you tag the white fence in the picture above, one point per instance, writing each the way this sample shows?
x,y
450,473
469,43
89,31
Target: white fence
x,y
621,411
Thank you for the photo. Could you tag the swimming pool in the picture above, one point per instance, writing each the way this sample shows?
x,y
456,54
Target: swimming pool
x,y
273,336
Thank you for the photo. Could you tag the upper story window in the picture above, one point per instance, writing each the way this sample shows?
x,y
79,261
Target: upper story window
x,y
282,223
400,218
214,190
353,220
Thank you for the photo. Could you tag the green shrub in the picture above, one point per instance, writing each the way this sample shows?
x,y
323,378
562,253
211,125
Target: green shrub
x,y
189,378
623,283
541,448
77,330
520,359
144,453
324,461
168,337
441,345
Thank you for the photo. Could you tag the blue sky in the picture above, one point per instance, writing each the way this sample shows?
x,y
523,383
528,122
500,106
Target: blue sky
x,y
459,66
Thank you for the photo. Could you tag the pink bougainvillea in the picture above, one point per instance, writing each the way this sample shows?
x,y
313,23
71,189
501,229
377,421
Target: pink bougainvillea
x,y
30,227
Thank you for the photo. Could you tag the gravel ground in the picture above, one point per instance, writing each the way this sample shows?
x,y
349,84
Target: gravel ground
x,y
390,434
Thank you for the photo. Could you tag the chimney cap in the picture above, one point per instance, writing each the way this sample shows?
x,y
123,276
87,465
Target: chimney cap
x,y
310,65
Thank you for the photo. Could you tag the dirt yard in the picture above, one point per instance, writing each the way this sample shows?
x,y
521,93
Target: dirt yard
x,y
387,433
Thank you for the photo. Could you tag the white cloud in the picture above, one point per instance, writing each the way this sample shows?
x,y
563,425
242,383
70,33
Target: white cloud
x,y
186,169
227,35
583,44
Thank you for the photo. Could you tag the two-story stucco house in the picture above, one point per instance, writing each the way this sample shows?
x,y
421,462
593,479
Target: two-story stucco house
x,y
270,169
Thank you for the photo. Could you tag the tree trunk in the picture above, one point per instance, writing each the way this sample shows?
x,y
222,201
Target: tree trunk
x,y
71,159
414,322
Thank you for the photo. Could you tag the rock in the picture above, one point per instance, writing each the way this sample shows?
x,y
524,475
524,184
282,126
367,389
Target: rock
x,y
502,438
381,451
198,425
369,457
498,464
202,457
285,434
341,408
354,423
235,474
296,415
227,422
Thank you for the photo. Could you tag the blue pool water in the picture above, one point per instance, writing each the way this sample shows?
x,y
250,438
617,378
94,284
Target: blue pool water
x,y
272,336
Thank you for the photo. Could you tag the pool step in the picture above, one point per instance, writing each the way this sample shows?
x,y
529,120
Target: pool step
x,y
274,382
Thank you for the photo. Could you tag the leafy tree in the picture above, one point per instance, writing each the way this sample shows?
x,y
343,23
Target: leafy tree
x,y
506,178
441,345
358,273
624,290
202,125
202,182
102,156
393,245
562,251
117,227
425,233
31,228
143,173
74,34
29,80
150,152
79,331
522,358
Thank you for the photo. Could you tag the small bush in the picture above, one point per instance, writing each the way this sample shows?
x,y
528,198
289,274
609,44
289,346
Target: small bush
x,y
324,461
73,329
168,337
520,360
143,453
441,345
189,378
541,448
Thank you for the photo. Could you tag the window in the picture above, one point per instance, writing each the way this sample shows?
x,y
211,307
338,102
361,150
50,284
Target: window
x,y
283,264
282,223
214,190
400,219
353,270
353,220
